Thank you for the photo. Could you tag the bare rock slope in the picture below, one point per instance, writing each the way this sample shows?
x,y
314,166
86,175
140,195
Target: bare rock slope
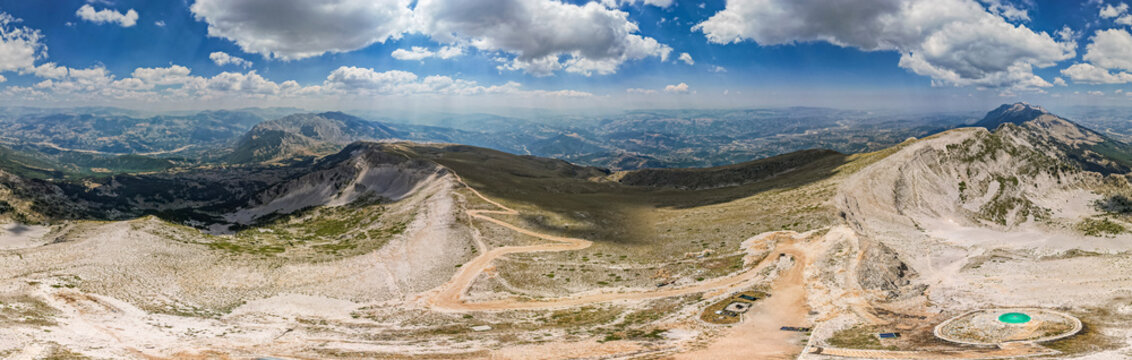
x,y
955,205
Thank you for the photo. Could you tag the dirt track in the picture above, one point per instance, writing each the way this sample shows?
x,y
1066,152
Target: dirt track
x,y
449,296
759,335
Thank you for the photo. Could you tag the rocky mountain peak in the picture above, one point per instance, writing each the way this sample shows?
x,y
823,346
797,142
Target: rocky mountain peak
x,y
1016,113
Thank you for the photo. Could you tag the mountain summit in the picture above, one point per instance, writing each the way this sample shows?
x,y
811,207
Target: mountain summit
x,y
1016,113
1088,149
305,134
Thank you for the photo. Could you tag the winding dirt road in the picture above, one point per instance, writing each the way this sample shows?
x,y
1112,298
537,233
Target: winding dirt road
x,y
448,298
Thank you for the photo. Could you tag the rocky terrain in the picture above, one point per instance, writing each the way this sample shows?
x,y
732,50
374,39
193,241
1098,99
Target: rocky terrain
x,y
1009,217
401,249
305,135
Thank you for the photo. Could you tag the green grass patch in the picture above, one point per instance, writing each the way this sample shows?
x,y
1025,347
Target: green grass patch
x,y
709,315
859,337
1100,227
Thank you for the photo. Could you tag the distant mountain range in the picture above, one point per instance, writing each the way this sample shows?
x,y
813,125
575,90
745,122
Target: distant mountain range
x,y
632,140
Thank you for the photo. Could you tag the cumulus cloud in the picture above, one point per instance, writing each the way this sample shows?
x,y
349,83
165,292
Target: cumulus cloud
x,y
249,83
3,79
20,46
1086,73
415,53
1089,74
87,12
718,69
680,88
130,84
222,58
420,53
542,36
1110,49
1110,11
539,37
1067,34
956,42
367,81
1109,58
174,74
1007,10
176,83
1059,82
687,59
297,29
356,78
69,80
640,91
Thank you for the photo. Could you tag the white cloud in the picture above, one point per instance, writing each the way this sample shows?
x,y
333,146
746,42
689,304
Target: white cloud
x,y
539,37
687,59
131,84
718,69
159,23
174,74
416,53
1067,34
20,46
449,52
1096,93
49,71
543,36
297,29
1007,10
222,58
355,78
1059,81
680,88
1086,73
357,81
957,42
420,53
1109,11
1110,49
71,81
87,12
1109,58
250,83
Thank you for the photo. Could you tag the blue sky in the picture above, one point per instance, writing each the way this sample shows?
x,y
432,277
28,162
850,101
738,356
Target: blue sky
x,y
962,54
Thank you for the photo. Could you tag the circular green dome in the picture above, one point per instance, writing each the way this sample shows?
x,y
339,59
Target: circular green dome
x,y
1014,318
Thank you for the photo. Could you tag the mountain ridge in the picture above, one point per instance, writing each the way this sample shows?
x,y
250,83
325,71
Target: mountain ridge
x,y
308,134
